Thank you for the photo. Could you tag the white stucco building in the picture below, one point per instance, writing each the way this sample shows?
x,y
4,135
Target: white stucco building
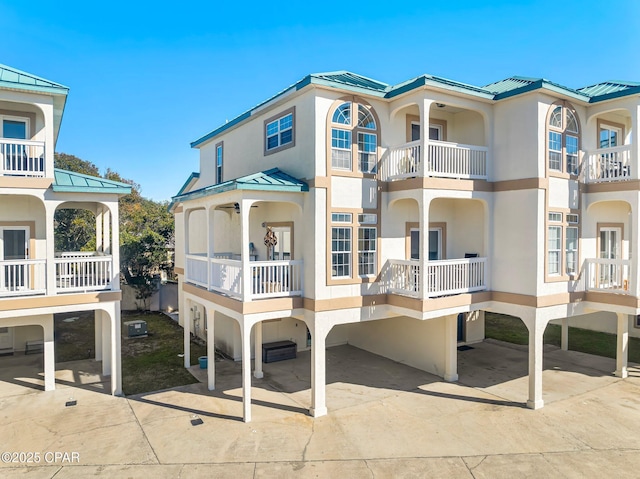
x,y
401,213
37,281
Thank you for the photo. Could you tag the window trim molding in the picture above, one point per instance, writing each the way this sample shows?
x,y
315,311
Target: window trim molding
x,y
562,276
562,173
600,122
219,145
271,119
413,225
354,172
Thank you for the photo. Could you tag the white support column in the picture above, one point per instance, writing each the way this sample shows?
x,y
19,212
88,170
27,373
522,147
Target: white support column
x,y
115,249
49,355
107,225
116,352
97,314
99,222
187,334
564,340
245,209
209,253
318,370
622,350
424,136
451,348
107,319
424,242
211,350
50,248
536,332
634,243
257,372
246,372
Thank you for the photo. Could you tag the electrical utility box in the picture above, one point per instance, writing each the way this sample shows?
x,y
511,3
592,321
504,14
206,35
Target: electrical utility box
x,y
136,329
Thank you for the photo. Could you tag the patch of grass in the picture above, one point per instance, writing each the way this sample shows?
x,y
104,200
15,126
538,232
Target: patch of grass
x,y
148,364
152,363
75,336
512,330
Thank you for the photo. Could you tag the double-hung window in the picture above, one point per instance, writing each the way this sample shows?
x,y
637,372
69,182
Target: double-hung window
x,y
563,140
341,245
280,132
354,135
367,249
563,229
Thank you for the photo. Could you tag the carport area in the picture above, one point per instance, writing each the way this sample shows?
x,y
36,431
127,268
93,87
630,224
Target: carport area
x,y
385,420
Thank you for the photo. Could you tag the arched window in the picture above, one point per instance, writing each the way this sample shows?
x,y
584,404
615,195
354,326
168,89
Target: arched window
x,y
343,130
563,136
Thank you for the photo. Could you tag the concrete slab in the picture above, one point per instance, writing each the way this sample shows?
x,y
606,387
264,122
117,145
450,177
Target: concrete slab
x,y
385,420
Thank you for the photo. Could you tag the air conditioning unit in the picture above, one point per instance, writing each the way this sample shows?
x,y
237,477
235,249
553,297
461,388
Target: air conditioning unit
x,y
136,329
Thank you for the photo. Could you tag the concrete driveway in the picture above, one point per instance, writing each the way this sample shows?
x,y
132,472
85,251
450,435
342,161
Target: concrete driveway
x,y
385,420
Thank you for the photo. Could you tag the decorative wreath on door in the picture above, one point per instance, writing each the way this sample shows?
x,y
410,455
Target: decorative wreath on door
x,y
270,238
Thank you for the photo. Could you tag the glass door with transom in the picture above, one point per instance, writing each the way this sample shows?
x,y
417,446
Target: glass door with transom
x,y
611,275
282,248
14,249
435,252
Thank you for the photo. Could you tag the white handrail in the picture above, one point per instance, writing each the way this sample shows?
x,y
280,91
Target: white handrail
x,y
22,157
610,164
610,275
22,277
77,274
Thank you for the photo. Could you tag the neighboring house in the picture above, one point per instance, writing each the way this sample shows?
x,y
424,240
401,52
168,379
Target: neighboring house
x,y
402,213
35,280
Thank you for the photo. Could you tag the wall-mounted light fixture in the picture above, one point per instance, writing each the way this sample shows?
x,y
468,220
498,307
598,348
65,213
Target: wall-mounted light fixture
x,y
236,207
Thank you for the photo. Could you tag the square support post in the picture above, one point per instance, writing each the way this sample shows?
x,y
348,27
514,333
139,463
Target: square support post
x,y
622,349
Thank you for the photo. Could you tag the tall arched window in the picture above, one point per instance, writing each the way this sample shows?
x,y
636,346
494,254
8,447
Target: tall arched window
x,y
354,132
563,136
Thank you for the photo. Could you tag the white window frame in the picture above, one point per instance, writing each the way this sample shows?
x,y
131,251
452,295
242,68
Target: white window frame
x,y
610,128
346,151
22,119
346,264
219,162
571,252
278,132
556,250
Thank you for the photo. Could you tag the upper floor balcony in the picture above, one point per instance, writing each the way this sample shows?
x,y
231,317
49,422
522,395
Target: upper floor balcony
x,y
74,272
224,274
610,164
442,160
22,158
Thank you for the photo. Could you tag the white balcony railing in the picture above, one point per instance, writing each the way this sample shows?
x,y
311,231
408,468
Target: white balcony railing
x,y
443,278
443,159
404,277
610,275
82,273
268,279
610,164
21,157
272,279
22,277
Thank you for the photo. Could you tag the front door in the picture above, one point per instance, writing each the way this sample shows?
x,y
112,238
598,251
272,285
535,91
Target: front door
x,y
610,248
14,241
282,249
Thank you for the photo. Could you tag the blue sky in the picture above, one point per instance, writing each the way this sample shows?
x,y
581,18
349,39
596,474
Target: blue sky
x,y
147,78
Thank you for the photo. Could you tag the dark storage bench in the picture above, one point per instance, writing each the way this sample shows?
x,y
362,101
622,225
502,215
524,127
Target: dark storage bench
x,y
278,351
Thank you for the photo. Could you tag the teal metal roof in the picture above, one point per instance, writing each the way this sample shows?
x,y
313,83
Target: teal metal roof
x,y
499,90
13,78
72,182
192,177
18,80
610,89
269,180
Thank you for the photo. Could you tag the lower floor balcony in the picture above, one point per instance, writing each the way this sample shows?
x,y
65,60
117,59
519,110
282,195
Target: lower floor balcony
x,y
443,277
267,279
75,272
608,275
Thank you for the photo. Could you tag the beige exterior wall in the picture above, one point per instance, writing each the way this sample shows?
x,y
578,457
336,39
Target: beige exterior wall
x,y
416,343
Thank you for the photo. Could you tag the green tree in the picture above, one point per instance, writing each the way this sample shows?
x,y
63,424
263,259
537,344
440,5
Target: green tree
x,y
146,231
